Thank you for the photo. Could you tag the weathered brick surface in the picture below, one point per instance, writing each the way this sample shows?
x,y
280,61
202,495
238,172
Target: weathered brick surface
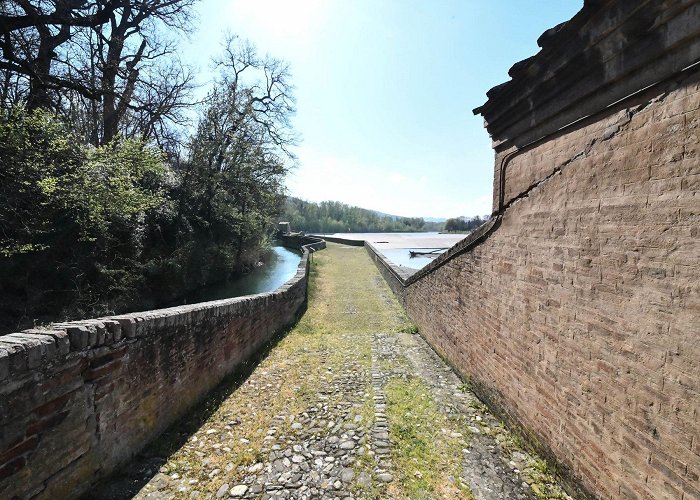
x,y
579,316
80,399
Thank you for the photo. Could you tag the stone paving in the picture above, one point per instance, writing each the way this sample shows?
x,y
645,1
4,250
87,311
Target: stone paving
x,y
313,419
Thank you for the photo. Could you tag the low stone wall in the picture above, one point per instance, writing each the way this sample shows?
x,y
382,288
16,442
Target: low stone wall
x,y
81,398
394,275
342,241
311,243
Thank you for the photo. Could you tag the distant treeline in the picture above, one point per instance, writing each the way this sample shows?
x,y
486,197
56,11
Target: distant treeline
x,y
464,224
336,217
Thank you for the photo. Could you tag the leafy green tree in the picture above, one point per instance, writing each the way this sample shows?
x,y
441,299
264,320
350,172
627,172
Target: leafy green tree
x,y
90,230
233,181
73,223
463,224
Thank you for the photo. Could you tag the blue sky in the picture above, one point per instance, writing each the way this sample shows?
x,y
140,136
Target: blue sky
x,y
385,90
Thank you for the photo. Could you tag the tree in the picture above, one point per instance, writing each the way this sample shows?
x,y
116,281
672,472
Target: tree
x,y
131,41
233,179
74,220
91,229
31,34
333,216
104,63
464,223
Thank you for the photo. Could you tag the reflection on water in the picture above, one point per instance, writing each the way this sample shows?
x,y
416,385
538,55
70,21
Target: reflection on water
x,y
278,269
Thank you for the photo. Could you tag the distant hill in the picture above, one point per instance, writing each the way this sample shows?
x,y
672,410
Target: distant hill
x,y
337,217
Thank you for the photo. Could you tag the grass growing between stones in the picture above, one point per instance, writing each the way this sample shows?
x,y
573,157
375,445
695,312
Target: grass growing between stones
x,y
425,452
535,471
365,462
347,303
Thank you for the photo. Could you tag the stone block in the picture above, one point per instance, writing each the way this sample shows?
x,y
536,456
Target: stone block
x,y
4,364
78,334
25,353
114,328
127,325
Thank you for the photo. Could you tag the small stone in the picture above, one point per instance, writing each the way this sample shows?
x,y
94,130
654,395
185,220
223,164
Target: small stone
x,y
238,491
346,475
347,445
222,491
296,426
385,477
364,479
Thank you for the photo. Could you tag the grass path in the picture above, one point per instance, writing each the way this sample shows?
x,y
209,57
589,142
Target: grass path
x,y
309,422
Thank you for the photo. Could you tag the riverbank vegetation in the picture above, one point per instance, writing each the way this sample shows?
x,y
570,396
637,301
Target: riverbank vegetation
x,y
336,217
464,224
111,200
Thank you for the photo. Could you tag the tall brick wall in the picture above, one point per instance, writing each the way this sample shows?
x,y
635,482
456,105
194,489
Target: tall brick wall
x,y
82,398
576,310
579,316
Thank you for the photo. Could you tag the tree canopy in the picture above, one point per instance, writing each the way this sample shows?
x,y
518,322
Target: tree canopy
x,y
464,224
109,67
102,216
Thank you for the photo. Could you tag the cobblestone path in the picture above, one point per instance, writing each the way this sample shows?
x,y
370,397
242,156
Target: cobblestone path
x,y
350,404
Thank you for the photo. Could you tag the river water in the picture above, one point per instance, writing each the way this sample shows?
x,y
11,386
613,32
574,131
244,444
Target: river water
x,y
279,268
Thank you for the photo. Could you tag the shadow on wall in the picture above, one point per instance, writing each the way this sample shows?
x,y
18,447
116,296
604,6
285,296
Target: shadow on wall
x,y
100,390
128,480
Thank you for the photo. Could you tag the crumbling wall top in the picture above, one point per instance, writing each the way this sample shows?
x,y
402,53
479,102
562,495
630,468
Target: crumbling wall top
x,y
607,51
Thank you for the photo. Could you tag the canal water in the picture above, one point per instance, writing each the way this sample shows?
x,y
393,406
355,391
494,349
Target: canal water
x,y
280,267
